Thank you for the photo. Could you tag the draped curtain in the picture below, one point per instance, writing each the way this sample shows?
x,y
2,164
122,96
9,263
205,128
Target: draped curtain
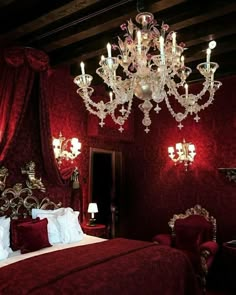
x,y
16,82
53,173
19,67
21,70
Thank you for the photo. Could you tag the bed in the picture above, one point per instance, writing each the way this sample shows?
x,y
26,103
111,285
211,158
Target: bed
x,y
90,265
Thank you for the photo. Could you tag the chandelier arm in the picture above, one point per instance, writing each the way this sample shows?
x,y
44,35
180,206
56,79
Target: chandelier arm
x,y
88,107
172,89
209,101
178,116
105,107
120,120
102,109
190,103
124,117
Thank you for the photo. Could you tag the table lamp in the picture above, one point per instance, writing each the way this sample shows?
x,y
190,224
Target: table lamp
x,y
92,208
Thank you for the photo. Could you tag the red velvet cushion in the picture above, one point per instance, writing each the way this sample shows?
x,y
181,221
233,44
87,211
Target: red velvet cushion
x,y
187,239
33,235
15,244
191,232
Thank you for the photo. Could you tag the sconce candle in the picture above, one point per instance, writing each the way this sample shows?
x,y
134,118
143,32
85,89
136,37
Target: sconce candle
x,y
185,151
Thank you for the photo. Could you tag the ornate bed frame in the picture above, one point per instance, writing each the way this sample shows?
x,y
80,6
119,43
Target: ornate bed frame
x,y
18,200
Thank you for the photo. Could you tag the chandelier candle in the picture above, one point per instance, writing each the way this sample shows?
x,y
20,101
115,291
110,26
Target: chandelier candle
x,y
83,71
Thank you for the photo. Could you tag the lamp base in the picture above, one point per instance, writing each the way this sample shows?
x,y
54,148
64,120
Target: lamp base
x,y
92,222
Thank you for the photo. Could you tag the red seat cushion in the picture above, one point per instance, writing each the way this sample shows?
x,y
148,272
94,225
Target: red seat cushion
x,y
191,232
187,239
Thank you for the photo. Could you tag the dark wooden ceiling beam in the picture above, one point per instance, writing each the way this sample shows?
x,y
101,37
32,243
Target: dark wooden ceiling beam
x,y
55,15
161,5
228,8
223,32
88,52
5,2
113,23
223,47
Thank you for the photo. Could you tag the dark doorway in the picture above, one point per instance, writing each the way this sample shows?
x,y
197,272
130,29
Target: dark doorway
x,y
105,186
102,185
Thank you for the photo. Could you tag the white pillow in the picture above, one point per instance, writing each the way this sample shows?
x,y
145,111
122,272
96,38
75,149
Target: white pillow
x,y
3,252
63,224
53,228
70,228
35,212
5,224
53,225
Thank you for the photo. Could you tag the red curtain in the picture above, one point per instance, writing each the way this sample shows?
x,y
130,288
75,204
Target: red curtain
x,y
50,164
21,70
18,67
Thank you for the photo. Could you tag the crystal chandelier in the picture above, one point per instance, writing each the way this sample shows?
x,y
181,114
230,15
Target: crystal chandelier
x,y
67,149
149,65
185,153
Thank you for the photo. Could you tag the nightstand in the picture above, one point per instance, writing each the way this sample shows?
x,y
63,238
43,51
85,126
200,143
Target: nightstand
x,y
98,230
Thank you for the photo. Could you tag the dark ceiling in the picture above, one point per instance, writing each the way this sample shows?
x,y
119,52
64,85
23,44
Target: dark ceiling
x,y
72,31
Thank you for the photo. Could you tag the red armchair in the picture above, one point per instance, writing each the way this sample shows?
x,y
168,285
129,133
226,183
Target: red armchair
x,y
194,233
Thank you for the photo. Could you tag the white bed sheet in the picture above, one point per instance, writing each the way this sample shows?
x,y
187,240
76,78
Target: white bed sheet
x,y
17,256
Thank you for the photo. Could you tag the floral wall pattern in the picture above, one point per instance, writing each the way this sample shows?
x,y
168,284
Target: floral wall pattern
x,y
154,189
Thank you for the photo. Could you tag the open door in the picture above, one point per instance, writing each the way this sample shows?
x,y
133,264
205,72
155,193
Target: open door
x,y
105,186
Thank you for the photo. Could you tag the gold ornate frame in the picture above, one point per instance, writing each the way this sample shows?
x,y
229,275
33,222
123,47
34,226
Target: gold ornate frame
x,y
196,210
18,201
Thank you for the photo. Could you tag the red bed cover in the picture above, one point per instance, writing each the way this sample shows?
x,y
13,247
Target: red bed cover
x,y
118,266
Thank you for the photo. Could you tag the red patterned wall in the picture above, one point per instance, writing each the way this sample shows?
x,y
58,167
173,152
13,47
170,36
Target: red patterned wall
x,y
158,189
154,188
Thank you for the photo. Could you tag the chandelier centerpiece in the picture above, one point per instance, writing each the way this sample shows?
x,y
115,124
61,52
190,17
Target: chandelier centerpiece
x,y
149,66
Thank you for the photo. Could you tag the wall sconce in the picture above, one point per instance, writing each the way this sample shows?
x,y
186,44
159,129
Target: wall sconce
x,y
92,208
185,153
64,148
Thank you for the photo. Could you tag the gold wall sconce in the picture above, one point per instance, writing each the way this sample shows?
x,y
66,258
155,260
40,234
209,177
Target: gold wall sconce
x,y
67,149
183,152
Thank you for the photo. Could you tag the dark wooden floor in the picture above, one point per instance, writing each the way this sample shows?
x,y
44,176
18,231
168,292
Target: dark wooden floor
x,y
215,292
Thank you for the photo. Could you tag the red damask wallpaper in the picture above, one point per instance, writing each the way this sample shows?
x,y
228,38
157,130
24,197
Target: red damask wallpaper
x,y
154,189
158,189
